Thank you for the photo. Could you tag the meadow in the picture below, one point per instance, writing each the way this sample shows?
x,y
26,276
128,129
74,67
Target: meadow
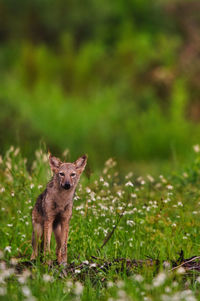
x,y
129,235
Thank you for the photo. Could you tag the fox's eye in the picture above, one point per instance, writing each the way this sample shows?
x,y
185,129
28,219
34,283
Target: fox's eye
x,y
61,174
73,174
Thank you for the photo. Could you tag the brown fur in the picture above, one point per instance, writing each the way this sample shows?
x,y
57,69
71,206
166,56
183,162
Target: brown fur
x,y
53,208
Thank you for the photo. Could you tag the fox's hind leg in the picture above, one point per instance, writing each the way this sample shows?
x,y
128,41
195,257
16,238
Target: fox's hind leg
x,y
36,236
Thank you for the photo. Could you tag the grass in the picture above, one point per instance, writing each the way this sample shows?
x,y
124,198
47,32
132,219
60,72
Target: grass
x,y
160,220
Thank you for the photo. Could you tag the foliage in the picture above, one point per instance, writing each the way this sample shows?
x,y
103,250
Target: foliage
x,y
110,79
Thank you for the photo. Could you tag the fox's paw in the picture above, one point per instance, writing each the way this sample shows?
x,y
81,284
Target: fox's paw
x,y
63,264
33,256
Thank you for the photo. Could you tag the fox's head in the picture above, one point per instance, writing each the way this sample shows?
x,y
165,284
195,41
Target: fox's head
x,y
67,174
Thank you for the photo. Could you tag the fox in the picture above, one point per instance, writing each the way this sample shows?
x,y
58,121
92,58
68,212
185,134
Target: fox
x,y
53,208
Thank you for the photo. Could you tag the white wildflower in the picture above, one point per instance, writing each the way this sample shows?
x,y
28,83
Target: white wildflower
x,y
150,178
8,272
119,193
120,283
133,195
69,283
122,295
167,265
3,291
26,291
23,278
86,262
180,270
130,223
93,265
47,278
159,279
9,166
66,152
77,271
170,187
196,148
14,261
168,289
174,283
138,278
129,183
8,249
110,284
129,175
78,289
16,152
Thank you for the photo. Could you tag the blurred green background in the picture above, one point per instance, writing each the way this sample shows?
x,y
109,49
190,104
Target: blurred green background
x,y
108,78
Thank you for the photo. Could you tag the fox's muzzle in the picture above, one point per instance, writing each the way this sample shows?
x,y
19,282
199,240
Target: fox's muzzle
x,y
67,186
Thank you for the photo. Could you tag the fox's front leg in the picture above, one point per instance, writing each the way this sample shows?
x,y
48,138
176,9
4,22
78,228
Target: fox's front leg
x,y
58,236
47,235
61,234
65,232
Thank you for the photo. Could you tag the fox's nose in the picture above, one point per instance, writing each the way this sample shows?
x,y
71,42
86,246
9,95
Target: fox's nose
x,y
67,185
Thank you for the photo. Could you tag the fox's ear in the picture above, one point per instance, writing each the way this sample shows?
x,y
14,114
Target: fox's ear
x,y
80,163
54,163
